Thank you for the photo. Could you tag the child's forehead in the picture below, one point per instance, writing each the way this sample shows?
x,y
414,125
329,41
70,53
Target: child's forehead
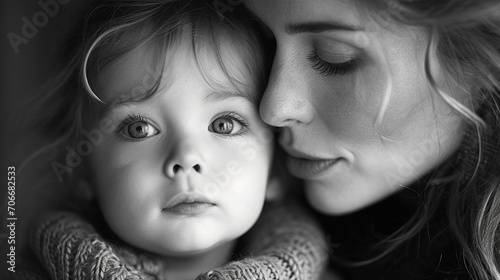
x,y
129,72
143,72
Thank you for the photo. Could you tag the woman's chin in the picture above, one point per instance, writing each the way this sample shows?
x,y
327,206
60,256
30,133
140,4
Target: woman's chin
x,y
329,199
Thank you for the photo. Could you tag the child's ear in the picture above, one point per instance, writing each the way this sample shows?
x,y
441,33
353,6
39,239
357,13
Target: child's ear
x,y
281,184
275,189
84,191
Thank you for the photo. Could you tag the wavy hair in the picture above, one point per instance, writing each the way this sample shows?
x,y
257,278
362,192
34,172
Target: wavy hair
x,y
465,35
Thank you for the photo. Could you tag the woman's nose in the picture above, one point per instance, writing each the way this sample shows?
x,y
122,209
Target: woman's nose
x,y
184,158
285,102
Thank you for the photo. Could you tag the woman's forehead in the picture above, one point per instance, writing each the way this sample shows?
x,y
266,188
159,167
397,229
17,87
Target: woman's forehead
x,y
299,11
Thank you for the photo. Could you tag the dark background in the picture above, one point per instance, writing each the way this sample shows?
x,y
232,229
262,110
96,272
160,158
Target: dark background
x,y
21,75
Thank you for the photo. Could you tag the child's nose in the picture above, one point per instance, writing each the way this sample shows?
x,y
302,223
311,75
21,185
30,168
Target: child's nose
x,y
185,158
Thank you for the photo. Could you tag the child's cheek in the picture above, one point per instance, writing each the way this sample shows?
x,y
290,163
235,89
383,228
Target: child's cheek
x,y
126,185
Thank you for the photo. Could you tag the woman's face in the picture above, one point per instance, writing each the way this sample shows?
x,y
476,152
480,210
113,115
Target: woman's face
x,y
360,120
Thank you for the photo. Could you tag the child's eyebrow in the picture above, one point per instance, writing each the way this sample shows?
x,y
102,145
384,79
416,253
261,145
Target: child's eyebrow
x,y
109,109
216,96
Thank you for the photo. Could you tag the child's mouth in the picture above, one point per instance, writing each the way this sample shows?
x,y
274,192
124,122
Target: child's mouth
x,y
189,208
188,204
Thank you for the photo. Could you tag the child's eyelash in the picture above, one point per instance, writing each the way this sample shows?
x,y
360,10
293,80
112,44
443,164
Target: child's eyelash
x,y
236,116
328,69
130,119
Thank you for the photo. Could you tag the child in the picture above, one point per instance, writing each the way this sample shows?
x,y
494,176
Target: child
x,y
177,157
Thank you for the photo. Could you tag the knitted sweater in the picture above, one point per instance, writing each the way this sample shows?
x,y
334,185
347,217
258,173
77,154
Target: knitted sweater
x,y
285,244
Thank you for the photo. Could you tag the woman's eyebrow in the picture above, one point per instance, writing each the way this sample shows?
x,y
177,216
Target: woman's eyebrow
x,y
318,27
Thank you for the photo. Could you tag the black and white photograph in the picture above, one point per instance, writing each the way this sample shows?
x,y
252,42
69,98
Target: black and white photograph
x,y
250,139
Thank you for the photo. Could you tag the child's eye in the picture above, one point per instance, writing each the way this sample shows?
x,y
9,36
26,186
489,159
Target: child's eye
x,y
230,123
225,125
137,128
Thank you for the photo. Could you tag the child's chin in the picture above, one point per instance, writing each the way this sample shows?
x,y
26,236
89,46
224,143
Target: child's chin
x,y
197,244
187,250
190,251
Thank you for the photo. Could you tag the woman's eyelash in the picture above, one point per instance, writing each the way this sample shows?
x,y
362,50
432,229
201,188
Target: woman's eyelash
x,y
329,69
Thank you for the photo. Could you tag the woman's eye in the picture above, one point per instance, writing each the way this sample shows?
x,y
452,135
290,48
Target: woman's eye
x,y
139,130
328,69
225,125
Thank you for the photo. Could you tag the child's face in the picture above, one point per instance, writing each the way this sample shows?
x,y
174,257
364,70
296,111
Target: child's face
x,y
185,170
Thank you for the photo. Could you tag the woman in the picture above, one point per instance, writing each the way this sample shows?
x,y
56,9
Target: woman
x,y
385,104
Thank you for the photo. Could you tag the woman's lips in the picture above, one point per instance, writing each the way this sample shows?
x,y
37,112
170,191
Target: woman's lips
x,y
308,168
304,165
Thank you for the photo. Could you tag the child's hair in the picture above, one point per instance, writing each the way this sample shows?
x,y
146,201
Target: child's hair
x,y
65,109
465,35
115,28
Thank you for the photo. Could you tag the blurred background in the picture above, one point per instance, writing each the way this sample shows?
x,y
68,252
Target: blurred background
x,y
33,36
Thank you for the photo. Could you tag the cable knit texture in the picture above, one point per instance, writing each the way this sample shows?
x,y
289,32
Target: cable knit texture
x,y
284,244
